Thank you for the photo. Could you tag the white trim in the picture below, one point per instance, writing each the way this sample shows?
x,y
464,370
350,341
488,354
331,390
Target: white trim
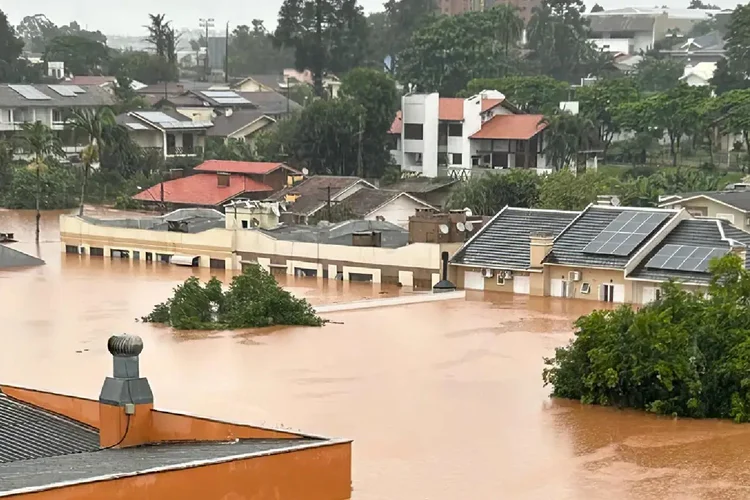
x,y
167,468
397,196
651,280
584,266
681,200
499,268
237,132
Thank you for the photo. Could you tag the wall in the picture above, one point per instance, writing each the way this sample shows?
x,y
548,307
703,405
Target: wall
x,y
638,287
612,45
147,138
595,277
716,210
424,109
317,473
397,211
80,409
203,114
246,133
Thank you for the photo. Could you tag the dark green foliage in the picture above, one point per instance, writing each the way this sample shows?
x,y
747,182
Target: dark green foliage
x,y
531,94
81,55
252,52
253,300
738,41
655,74
58,188
489,193
684,355
143,66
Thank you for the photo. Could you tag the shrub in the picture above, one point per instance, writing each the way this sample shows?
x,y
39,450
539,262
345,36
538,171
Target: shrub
x,y
684,355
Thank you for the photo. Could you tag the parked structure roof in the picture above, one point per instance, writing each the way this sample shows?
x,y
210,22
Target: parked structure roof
x,y
568,246
243,167
202,190
10,257
367,200
392,236
521,127
271,103
312,193
192,220
700,232
92,96
504,242
225,126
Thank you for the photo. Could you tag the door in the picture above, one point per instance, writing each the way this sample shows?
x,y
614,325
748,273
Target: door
x,y
619,294
473,280
187,144
557,288
650,294
612,293
521,284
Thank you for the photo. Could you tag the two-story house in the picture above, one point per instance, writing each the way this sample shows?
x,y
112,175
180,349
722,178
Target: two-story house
x,y
167,132
50,105
437,136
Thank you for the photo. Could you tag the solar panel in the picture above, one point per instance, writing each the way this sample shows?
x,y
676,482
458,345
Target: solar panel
x,y
30,93
685,258
137,126
63,90
155,116
231,100
213,94
625,233
76,89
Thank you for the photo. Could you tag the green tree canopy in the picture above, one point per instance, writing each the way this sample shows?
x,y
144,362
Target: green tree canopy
x,y
532,94
252,51
685,355
81,55
445,54
658,74
737,41
487,194
10,47
566,135
143,66
401,19
599,101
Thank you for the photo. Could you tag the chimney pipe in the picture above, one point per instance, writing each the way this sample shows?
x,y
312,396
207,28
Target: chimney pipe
x,y
126,400
444,285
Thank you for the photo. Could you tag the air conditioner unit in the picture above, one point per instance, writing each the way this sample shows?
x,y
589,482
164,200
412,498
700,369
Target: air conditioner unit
x,y
574,276
488,273
508,275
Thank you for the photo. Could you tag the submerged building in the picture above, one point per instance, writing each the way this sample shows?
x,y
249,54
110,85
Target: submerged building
x,y
55,446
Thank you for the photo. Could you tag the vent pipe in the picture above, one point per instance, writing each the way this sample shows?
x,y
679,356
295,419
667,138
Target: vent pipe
x,y
444,285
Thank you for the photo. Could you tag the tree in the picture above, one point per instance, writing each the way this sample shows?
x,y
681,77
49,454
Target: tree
x,y
737,41
531,94
444,55
326,36
253,300
565,190
10,45
252,51
40,142
597,8
376,93
164,40
734,111
142,66
93,124
565,136
698,4
81,55
658,74
400,20
725,78
599,101
558,40
685,354
488,194
36,31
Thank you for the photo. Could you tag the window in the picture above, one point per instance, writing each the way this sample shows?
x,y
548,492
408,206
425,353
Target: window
x,y
413,131
136,255
217,264
57,116
170,144
586,288
96,252
455,130
500,279
187,143
244,224
608,293
457,159
71,249
222,179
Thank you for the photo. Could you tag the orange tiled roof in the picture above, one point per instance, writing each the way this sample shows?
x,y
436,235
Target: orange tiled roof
x,y
241,167
398,124
511,127
451,109
488,104
202,189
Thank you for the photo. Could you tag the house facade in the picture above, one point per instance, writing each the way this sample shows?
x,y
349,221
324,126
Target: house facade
x,y
604,253
436,137
732,206
165,132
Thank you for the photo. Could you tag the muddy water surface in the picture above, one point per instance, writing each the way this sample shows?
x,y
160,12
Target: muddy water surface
x,y
444,401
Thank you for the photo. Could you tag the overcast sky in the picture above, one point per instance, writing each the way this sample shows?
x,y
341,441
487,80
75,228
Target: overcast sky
x,y
124,17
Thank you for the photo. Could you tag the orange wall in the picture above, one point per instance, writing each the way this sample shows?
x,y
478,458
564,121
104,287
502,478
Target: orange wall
x,y
321,473
80,409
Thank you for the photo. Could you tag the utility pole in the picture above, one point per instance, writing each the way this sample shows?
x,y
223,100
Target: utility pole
x,y
226,56
360,167
287,95
206,23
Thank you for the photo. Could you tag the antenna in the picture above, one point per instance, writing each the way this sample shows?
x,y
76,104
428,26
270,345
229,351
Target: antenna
x,y
468,212
461,226
469,226
444,229
305,171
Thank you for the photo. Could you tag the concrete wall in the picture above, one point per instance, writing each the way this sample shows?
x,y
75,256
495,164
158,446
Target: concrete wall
x,y
397,211
709,208
422,109
203,114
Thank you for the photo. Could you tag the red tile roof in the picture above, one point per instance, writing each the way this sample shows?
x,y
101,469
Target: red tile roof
x,y
398,124
511,127
242,167
451,109
202,189
488,104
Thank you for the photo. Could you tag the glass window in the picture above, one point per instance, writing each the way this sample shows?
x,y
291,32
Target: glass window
x,y
413,131
457,159
456,130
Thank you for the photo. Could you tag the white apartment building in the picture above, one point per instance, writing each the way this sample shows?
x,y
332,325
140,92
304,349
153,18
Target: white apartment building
x,y
456,137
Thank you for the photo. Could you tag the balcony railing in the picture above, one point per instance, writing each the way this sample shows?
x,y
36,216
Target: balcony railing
x,y
183,151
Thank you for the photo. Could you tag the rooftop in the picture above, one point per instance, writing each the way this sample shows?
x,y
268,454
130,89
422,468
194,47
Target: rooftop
x,y
226,125
367,200
393,236
10,257
242,167
192,220
504,242
521,127
737,199
312,193
49,96
165,119
421,184
271,103
573,246
618,23
451,109
201,189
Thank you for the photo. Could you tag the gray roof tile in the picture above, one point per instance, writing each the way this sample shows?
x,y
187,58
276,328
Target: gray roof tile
x,y
94,96
504,242
226,125
313,192
10,257
569,245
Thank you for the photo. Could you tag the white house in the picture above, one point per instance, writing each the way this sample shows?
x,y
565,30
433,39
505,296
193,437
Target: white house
x,y
437,136
167,132
699,75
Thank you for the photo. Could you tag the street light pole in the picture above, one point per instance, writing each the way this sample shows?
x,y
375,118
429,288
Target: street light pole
x,y
206,23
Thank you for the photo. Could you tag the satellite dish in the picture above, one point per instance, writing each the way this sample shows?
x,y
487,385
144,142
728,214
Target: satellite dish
x,y
468,212
461,227
615,201
444,228
275,210
305,171
469,226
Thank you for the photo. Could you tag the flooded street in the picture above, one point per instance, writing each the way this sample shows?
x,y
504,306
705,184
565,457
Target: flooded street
x,y
443,400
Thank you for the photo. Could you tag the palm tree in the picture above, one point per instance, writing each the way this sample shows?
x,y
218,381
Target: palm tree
x,y
565,136
94,124
37,139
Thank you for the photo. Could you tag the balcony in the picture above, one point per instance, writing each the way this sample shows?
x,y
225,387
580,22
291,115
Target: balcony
x,y
183,151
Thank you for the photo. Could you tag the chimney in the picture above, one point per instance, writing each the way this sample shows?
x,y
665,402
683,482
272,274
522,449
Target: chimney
x,y
126,400
444,285
541,246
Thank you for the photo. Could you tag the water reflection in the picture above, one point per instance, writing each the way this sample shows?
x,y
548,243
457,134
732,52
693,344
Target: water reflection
x,y
444,400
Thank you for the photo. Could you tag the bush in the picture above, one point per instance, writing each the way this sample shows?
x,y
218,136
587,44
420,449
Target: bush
x,y
254,299
59,188
684,355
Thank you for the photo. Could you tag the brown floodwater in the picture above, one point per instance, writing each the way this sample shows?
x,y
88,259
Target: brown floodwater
x,y
443,400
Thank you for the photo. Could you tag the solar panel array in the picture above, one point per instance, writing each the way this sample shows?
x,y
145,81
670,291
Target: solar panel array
x,y
685,258
137,126
625,233
231,100
77,89
30,93
225,97
165,121
63,90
